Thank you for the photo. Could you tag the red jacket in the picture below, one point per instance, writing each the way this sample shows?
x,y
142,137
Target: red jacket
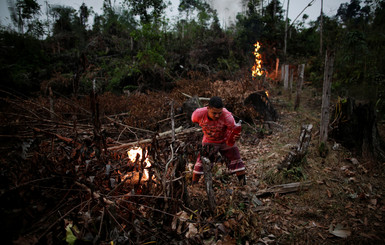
x,y
214,131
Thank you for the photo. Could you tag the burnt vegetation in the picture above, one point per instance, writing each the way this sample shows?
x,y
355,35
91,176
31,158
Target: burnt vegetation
x,y
76,98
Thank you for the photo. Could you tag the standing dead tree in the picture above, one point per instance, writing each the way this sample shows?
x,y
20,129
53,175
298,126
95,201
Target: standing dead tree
x,y
329,60
301,70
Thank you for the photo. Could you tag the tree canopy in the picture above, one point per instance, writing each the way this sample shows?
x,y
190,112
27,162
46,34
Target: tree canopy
x,y
135,45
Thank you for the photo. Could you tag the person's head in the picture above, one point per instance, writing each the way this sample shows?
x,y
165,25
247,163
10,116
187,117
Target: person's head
x,y
215,108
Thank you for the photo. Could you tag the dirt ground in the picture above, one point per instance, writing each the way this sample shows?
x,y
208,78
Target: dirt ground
x,y
343,205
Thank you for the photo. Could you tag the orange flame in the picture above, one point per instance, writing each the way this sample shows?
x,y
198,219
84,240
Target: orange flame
x,y
132,154
256,70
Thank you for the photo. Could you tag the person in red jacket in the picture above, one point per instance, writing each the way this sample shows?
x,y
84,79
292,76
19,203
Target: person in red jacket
x,y
217,123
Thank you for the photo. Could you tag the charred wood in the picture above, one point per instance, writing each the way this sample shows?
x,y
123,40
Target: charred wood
x,y
355,127
262,105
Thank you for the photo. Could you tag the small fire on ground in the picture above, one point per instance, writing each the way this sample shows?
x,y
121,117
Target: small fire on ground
x,y
135,156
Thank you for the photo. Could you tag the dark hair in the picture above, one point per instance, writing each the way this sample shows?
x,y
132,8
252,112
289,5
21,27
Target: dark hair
x,y
216,102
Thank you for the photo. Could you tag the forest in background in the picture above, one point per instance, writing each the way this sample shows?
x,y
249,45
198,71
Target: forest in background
x,y
76,98
134,47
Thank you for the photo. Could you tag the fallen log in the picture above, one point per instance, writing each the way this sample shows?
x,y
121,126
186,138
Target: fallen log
x,y
284,188
162,135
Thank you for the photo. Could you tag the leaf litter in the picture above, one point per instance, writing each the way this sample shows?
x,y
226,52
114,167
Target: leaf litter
x,y
48,181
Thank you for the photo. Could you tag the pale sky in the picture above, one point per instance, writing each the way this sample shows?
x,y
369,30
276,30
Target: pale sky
x,y
227,9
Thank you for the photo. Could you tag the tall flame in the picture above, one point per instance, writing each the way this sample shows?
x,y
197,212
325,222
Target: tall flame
x,y
256,70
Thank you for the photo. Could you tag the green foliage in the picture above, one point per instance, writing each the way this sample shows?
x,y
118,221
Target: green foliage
x,y
23,62
151,50
23,12
230,64
134,43
294,174
147,10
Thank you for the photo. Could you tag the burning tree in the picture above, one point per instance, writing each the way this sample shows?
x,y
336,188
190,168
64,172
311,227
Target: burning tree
x,y
256,70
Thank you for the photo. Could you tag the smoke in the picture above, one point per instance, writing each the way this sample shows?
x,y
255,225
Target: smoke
x,y
227,10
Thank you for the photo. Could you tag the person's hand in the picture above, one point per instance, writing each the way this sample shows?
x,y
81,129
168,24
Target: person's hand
x,y
237,137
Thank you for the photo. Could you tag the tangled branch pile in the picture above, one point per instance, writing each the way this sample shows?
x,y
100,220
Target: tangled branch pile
x,y
64,176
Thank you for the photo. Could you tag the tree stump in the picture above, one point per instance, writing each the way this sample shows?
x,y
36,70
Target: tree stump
x,y
208,152
262,105
355,127
300,151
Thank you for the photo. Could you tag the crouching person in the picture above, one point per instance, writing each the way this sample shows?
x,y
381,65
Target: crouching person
x,y
217,123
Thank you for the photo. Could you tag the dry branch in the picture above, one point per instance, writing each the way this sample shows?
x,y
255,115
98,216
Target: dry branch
x,y
200,98
95,194
126,126
68,140
178,132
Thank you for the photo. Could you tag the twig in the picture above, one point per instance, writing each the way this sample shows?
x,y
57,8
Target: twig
x,y
144,141
62,217
30,182
96,195
200,98
124,125
18,104
175,116
101,222
68,140
120,114
113,217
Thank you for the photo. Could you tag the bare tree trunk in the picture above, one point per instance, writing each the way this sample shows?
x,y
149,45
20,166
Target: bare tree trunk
x,y
282,71
291,74
286,77
301,70
329,62
51,105
321,28
96,121
286,28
